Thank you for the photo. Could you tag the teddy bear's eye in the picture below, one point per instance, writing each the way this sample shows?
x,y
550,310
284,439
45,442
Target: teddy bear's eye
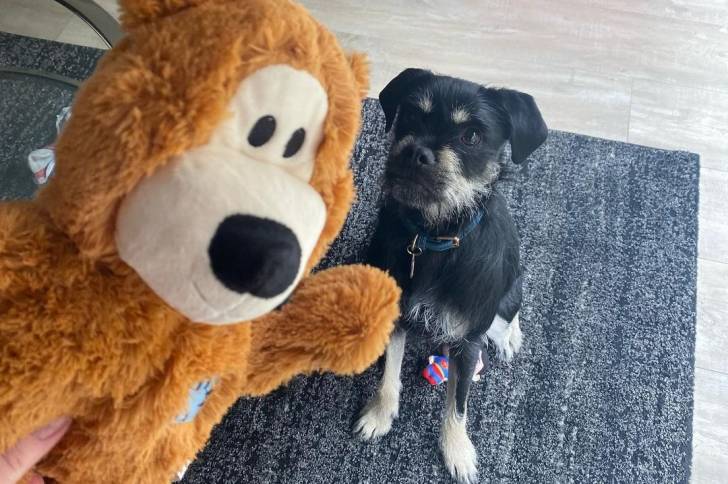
x,y
262,131
295,143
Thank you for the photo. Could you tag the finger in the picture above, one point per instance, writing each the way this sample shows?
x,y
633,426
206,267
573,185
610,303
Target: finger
x,y
36,479
28,451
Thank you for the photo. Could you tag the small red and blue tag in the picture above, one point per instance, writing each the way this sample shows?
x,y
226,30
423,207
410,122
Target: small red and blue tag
x,y
436,372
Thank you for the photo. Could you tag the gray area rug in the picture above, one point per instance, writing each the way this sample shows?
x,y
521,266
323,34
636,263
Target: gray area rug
x,y
602,390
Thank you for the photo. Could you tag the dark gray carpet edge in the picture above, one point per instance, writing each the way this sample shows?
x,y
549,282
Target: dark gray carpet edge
x,y
73,61
602,391
603,388
29,105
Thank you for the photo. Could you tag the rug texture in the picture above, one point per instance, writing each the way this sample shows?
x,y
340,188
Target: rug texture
x,y
29,105
602,390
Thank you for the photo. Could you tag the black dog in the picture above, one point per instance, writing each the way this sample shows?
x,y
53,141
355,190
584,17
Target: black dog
x,y
447,237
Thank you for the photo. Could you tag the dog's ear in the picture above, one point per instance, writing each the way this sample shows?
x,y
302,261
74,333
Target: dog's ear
x,y
392,94
528,130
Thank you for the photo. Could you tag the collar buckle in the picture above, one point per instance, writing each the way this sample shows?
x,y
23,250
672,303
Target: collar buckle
x,y
454,240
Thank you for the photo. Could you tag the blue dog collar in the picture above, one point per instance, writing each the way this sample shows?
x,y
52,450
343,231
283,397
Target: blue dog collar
x,y
423,241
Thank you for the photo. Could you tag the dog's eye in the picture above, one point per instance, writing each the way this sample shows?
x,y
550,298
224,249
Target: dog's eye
x,y
471,137
409,117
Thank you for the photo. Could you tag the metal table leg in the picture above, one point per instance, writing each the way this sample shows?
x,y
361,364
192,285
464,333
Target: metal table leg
x,y
97,18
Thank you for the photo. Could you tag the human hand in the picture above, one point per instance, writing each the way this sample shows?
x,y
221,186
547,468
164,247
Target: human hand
x,y
16,462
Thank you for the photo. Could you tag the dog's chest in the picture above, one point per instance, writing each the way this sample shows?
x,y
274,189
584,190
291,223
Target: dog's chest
x,y
425,312
423,301
427,302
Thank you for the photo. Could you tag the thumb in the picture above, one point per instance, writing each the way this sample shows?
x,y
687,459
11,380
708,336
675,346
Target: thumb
x,y
15,462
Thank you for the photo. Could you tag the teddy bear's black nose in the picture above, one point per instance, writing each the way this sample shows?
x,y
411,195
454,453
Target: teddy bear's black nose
x,y
254,255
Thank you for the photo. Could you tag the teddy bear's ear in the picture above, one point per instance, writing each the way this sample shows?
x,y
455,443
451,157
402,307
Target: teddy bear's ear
x,y
360,67
138,12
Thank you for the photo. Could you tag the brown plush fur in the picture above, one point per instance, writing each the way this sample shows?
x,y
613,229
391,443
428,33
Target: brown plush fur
x,y
82,335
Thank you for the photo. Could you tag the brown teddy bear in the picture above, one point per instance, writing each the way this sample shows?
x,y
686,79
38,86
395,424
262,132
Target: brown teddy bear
x,y
200,179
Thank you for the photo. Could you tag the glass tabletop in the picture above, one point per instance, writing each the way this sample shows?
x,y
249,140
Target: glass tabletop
x,y
38,79
29,106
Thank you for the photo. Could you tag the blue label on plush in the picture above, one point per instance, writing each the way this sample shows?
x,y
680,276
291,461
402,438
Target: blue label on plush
x,y
195,400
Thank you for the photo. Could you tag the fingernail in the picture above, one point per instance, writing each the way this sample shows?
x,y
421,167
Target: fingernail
x,y
52,428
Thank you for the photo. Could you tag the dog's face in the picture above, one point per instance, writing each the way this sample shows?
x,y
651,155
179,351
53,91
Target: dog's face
x,y
449,139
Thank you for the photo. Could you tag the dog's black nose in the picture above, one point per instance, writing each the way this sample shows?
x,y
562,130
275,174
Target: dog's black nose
x,y
422,155
254,255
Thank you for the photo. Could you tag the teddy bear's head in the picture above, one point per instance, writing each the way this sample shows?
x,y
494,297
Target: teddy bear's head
x,y
209,152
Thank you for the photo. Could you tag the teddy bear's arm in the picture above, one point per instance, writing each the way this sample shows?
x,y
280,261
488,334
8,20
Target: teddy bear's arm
x,y
70,335
33,389
338,320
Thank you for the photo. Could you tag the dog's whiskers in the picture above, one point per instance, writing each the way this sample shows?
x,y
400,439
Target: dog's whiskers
x,y
462,196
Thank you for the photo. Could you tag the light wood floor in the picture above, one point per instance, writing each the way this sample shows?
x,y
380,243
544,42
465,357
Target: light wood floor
x,y
652,72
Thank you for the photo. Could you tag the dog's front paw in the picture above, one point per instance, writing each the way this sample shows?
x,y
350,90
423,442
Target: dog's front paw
x,y
458,451
505,352
377,416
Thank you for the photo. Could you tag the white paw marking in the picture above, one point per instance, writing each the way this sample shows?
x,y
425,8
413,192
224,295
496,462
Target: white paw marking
x,y
516,334
506,337
376,418
458,451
